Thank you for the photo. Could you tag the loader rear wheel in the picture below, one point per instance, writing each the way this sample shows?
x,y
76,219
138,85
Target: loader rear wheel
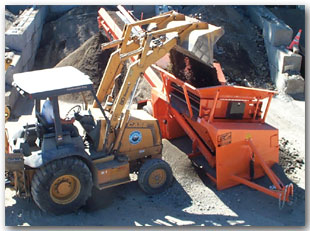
x,y
155,176
62,186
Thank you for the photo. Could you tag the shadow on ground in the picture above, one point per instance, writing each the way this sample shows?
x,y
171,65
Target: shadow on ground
x,y
125,205
247,202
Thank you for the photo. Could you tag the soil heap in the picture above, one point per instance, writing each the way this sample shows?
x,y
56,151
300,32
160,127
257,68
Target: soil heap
x,y
62,36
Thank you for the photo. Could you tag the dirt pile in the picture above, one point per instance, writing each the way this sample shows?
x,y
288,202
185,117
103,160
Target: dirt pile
x,y
89,58
64,35
290,160
192,71
240,51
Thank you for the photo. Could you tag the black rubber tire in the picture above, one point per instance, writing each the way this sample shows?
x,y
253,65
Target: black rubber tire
x,y
46,175
145,171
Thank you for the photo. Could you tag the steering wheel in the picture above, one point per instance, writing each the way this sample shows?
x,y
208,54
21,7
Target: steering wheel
x,y
75,109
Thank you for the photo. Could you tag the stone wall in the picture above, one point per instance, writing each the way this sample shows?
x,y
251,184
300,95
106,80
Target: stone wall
x,y
282,62
23,39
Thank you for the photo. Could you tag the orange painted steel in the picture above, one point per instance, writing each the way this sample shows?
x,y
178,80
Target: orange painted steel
x,y
282,195
191,133
249,134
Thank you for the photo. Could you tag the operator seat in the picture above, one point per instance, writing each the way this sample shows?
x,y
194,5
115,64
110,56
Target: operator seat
x,y
43,121
43,127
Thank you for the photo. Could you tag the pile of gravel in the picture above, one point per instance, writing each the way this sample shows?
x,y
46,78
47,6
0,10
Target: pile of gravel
x,y
65,34
290,160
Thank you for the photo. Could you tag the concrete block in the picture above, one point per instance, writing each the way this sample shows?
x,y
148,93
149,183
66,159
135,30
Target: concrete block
x,y
39,16
29,28
27,12
291,62
27,52
277,33
15,39
36,19
295,84
290,84
282,59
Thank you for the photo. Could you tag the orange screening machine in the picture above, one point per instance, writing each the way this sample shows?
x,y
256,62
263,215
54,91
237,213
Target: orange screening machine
x,y
230,139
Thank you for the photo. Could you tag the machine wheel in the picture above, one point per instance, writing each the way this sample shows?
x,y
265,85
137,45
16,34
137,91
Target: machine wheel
x,y
62,186
155,176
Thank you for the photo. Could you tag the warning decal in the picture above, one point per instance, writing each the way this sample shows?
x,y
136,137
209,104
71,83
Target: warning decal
x,y
224,139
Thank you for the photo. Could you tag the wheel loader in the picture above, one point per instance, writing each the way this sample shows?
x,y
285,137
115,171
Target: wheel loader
x,y
57,166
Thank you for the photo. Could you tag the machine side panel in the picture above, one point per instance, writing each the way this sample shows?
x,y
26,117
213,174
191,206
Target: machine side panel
x,y
233,154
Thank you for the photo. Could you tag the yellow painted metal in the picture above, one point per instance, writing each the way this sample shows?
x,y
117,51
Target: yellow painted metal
x,y
157,178
104,159
8,61
150,138
113,68
121,130
102,135
65,189
7,113
6,135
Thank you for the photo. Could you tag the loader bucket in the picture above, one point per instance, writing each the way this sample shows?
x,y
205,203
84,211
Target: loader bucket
x,y
198,44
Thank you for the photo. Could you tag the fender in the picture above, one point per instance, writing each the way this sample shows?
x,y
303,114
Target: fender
x,y
42,158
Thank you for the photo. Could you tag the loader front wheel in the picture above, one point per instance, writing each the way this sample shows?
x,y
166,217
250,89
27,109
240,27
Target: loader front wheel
x,y
62,186
155,176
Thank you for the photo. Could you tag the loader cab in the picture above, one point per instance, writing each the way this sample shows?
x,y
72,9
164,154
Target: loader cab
x,y
51,84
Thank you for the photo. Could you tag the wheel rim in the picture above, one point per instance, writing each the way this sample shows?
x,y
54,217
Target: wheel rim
x,y
65,189
157,178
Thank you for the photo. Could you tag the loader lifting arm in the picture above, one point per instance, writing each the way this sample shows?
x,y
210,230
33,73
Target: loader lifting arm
x,y
164,33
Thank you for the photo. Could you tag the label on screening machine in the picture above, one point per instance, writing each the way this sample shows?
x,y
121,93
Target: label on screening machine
x,y
224,139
